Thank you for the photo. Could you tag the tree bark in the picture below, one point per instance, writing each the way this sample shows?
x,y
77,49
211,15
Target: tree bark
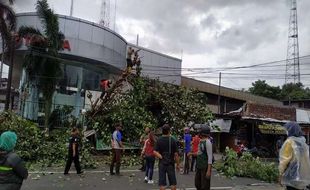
x,y
8,91
47,111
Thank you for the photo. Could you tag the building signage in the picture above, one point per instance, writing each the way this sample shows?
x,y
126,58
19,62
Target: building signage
x,y
272,129
19,42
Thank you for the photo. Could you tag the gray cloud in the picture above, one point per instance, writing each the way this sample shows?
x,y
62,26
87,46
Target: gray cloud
x,y
210,32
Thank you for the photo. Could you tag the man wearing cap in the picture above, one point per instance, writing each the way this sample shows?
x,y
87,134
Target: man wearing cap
x,y
204,160
12,168
166,151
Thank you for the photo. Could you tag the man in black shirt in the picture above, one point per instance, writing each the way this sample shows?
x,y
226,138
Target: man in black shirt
x,y
73,154
167,151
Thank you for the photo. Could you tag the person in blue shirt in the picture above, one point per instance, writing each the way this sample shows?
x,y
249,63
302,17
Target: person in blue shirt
x,y
117,149
187,149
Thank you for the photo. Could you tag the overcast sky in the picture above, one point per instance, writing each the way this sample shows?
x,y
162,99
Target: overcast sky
x,y
210,33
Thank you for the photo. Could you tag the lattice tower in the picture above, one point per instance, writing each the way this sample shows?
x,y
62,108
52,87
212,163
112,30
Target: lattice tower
x,y
105,13
292,73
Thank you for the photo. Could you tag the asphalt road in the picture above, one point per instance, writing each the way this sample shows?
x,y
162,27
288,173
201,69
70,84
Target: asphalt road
x,y
131,180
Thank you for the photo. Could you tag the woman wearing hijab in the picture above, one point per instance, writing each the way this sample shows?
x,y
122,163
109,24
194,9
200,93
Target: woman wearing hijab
x,y
12,169
294,166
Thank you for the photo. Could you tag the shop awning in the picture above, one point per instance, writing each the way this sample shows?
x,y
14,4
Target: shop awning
x,y
303,116
218,126
272,129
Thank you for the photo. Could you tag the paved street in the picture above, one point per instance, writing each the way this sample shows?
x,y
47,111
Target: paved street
x,y
131,180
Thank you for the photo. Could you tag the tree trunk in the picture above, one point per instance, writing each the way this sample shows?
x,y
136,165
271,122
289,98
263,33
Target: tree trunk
x,y
2,60
47,112
8,92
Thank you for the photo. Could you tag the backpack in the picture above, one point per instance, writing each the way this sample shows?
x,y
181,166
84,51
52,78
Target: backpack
x,y
202,159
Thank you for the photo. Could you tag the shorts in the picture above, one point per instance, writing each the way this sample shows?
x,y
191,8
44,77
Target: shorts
x,y
166,170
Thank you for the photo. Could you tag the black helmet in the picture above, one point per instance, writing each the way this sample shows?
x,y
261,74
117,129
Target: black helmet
x,y
205,130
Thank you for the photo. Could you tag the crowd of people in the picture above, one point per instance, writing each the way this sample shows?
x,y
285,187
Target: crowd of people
x,y
198,149
294,163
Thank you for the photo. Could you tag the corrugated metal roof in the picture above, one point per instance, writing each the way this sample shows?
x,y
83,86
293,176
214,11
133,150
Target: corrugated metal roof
x,y
303,116
227,92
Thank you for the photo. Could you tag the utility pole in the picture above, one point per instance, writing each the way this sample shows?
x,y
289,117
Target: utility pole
x,y
292,73
8,91
71,8
219,94
137,40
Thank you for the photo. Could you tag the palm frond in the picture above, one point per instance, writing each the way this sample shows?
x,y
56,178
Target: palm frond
x,y
9,16
50,23
25,31
5,35
5,1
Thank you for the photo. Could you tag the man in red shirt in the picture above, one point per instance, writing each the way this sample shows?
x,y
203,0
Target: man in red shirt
x,y
104,85
195,145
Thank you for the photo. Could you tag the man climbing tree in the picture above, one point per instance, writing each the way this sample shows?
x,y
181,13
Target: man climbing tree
x,y
130,53
104,85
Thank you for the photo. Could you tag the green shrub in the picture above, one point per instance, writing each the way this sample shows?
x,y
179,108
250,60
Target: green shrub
x,y
247,166
28,135
34,146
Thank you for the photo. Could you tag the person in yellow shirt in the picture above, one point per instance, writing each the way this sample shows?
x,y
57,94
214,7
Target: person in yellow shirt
x,y
294,163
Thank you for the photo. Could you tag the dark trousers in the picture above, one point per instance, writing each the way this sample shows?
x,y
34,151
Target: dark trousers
x,y
186,164
291,188
150,161
201,181
102,94
166,170
76,161
116,160
194,159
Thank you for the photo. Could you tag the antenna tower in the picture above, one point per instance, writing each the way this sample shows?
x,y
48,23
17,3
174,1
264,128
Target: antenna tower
x,y
292,73
105,13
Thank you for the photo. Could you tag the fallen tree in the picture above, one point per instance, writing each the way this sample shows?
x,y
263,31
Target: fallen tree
x,y
148,103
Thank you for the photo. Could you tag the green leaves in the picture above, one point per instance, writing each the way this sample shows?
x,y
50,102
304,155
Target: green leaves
x,y
288,91
151,103
35,147
247,166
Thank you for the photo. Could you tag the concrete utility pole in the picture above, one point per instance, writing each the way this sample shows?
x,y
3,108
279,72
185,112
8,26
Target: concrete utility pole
x,y
71,8
137,43
219,95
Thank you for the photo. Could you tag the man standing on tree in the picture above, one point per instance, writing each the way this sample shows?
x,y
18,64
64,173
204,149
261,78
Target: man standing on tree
x,y
130,53
117,149
166,151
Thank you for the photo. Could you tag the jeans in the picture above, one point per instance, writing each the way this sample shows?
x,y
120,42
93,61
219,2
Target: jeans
x,y
186,164
150,161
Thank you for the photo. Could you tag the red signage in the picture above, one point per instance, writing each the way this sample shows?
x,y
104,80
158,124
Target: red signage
x,y
26,41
